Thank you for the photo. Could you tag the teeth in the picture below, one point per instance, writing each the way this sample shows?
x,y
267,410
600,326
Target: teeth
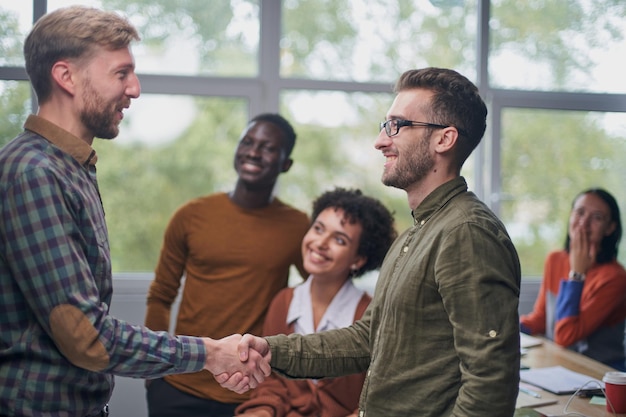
x,y
317,256
251,166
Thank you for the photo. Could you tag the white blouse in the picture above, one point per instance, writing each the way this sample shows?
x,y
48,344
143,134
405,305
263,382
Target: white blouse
x,y
340,312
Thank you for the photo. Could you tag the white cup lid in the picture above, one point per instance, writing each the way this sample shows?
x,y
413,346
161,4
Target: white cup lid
x,y
618,378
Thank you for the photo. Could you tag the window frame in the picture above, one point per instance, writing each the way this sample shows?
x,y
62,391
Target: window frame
x,y
263,92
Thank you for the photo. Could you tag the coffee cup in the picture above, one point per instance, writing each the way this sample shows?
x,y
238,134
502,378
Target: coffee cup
x,y
615,389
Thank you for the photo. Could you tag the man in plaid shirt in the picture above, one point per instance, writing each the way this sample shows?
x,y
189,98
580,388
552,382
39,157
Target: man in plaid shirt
x,y
59,347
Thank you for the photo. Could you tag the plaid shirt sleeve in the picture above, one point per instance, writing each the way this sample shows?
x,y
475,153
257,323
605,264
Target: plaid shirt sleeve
x,y
55,257
55,252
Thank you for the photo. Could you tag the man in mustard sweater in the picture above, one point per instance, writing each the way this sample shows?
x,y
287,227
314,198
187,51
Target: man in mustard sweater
x,y
235,250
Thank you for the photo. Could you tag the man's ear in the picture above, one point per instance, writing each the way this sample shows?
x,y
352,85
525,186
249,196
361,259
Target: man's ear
x,y
287,164
447,140
62,74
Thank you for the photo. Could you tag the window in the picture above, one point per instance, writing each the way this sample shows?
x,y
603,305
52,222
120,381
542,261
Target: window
x,y
550,157
375,40
14,108
548,70
15,22
558,45
159,162
195,38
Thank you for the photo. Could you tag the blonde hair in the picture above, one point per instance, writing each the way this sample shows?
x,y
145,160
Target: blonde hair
x,y
71,33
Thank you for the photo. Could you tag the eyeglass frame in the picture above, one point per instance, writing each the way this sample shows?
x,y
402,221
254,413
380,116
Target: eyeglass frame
x,y
403,123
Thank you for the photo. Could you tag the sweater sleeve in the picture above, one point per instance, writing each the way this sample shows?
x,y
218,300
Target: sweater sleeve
x,y
64,276
535,322
169,271
583,307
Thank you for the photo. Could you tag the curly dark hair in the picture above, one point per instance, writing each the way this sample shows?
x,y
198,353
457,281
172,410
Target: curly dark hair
x,y
376,221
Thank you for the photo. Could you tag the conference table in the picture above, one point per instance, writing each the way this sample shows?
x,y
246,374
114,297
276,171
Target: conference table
x,y
549,354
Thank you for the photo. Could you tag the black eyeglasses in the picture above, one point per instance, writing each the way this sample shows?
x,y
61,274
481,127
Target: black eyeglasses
x,y
392,126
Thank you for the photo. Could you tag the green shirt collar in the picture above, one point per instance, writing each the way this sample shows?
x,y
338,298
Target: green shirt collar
x,y
437,199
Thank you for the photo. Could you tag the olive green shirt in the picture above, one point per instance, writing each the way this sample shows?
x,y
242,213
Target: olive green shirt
x,y
441,336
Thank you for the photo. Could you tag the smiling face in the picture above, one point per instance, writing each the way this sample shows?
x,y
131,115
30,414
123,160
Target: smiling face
x,y
408,157
593,216
329,248
107,85
260,155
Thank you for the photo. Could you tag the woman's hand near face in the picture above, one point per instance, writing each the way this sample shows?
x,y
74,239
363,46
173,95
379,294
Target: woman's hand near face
x,y
582,253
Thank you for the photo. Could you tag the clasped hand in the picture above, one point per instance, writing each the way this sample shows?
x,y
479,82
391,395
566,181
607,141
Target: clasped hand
x,y
238,363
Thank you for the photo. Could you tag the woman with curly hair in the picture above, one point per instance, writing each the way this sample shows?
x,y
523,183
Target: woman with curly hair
x,y
349,236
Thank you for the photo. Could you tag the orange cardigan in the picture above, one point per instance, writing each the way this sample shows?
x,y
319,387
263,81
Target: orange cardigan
x,y
283,397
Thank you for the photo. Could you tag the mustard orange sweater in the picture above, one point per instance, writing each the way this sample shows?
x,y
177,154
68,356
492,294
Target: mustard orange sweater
x,y
234,262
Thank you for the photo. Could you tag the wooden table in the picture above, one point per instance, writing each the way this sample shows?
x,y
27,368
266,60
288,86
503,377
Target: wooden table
x,y
550,354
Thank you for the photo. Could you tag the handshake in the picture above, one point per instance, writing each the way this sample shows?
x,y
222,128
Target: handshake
x,y
238,363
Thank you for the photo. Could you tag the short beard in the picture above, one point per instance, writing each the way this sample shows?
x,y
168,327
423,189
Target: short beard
x,y
415,164
95,115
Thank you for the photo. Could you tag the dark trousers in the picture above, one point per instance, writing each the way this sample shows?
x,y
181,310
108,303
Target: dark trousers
x,y
166,401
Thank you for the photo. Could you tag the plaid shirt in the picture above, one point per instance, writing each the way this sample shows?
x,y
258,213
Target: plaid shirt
x,y
56,286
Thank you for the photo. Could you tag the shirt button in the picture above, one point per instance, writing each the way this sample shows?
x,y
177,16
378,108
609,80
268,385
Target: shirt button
x,y
405,249
493,333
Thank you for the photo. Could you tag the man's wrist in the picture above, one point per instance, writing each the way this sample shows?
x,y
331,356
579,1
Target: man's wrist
x,y
210,347
576,276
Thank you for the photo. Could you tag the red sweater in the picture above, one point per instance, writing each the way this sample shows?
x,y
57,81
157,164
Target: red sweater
x,y
282,397
568,311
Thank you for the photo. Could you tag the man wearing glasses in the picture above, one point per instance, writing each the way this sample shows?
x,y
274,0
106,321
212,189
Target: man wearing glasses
x,y
441,336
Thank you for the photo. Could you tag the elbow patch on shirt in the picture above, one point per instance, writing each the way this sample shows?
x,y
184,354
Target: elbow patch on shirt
x,y
77,339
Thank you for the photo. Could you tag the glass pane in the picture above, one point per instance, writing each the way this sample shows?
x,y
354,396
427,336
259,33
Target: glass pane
x,y
548,157
558,45
191,37
57,4
335,146
375,40
14,108
15,21
160,160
